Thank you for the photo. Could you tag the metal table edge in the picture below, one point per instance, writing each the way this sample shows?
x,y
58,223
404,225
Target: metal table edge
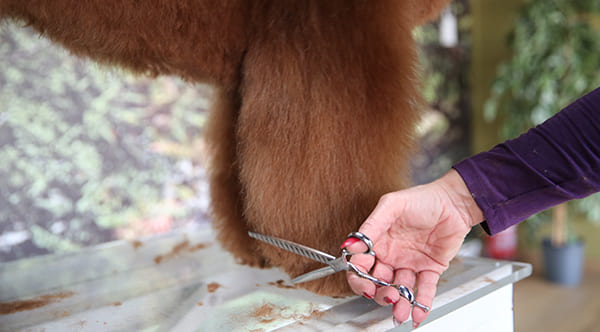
x,y
520,272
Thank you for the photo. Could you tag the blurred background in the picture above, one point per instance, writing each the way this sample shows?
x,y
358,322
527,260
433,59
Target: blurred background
x,y
90,155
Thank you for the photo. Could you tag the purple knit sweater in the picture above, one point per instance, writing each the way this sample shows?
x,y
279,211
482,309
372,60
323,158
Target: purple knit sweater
x,y
552,163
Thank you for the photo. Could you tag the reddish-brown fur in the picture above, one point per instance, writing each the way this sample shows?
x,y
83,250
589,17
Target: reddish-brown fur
x,y
314,108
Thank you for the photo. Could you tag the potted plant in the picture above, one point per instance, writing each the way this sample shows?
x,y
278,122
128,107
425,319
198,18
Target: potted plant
x,y
563,257
555,60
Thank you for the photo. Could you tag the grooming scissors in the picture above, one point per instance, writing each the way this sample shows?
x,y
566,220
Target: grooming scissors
x,y
336,264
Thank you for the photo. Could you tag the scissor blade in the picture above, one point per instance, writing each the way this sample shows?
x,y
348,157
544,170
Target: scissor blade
x,y
296,248
314,275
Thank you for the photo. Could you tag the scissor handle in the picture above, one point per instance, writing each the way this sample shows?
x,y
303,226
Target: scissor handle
x,y
364,239
402,290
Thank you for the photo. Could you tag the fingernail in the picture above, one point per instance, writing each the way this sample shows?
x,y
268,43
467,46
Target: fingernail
x,y
396,323
415,325
388,300
367,296
349,242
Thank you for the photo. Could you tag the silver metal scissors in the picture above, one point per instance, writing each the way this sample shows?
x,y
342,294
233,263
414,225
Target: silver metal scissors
x,y
336,264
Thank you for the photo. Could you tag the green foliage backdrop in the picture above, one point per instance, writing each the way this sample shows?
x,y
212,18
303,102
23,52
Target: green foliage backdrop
x,y
85,151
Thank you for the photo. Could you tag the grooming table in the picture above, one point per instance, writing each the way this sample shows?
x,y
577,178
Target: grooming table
x,y
183,281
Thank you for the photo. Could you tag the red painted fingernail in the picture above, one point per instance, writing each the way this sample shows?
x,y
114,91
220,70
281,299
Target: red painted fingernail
x,y
388,300
349,242
367,296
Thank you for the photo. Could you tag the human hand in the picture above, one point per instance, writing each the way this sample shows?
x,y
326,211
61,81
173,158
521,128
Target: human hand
x,y
416,232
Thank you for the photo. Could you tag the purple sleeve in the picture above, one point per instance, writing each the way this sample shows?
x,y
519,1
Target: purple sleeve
x,y
552,163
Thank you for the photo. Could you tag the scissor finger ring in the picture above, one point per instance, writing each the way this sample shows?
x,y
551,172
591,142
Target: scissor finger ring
x,y
364,239
408,295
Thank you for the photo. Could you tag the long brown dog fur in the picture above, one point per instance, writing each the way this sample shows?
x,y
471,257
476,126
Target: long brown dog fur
x,y
314,109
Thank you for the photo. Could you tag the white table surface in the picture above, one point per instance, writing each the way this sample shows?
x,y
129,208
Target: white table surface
x,y
183,281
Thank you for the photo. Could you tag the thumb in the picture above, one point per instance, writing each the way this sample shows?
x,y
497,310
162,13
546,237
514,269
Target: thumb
x,y
388,209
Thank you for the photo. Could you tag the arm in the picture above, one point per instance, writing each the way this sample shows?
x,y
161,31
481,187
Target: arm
x,y
557,161
200,40
417,231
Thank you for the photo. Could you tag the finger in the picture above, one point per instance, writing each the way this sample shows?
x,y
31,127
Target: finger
x,y
390,295
426,287
401,310
364,263
385,273
354,245
361,286
382,217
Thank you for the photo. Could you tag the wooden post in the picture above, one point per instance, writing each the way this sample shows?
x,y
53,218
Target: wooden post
x,y
492,22
559,225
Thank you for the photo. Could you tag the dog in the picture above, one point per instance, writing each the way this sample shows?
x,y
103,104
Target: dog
x,y
314,108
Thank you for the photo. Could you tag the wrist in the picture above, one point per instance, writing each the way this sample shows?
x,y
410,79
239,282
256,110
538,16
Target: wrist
x,y
458,192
